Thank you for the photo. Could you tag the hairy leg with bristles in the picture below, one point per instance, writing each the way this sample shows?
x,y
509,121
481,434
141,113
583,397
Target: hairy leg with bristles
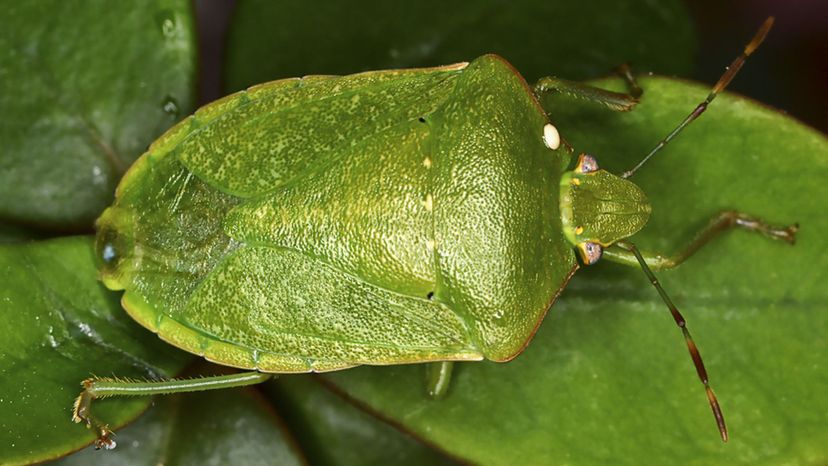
x,y
613,100
103,387
719,223
617,101
691,345
439,377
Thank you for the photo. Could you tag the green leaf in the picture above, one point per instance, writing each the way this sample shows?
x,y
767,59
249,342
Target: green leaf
x,y
16,233
60,326
607,379
577,40
84,88
214,427
333,432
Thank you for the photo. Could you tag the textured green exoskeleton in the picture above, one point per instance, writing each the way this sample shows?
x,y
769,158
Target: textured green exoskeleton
x,y
321,223
386,217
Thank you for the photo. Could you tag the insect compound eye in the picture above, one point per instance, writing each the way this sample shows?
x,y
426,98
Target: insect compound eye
x,y
551,137
586,164
590,252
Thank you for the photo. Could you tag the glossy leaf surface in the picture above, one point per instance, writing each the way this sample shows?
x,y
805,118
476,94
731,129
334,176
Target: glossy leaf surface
x,y
332,431
84,87
576,40
608,362
60,326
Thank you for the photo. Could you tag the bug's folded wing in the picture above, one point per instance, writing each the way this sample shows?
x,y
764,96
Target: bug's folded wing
x,y
279,310
280,130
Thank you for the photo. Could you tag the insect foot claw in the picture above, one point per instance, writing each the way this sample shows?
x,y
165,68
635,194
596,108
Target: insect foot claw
x,y
791,233
104,439
786,234
81,412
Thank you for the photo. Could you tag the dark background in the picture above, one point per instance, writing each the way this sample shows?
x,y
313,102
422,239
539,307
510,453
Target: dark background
x,y
788,72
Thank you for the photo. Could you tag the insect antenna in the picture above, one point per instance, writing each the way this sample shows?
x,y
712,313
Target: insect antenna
x,y
724,80
691,345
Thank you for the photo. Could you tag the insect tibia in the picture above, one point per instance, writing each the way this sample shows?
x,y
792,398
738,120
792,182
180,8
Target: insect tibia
x,y
99,387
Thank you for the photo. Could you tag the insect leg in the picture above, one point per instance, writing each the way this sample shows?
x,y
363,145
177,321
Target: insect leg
x,y
626,74
691,345
103,387
718,224
724,80
439,377
613,100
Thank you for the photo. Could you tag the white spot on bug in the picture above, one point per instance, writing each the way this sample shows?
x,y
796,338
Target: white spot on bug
x,y
551,137
354,102
427,162
430,244
428,203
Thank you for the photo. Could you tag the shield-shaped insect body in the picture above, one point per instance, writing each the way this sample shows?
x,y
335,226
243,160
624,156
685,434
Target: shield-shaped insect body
x,y
386,217
325,222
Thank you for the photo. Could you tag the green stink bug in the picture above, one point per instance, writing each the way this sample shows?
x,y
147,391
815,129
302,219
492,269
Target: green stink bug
x,y
389,217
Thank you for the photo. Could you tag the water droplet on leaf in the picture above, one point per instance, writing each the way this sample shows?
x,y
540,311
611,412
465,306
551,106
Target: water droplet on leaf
x,y
168,27
170,106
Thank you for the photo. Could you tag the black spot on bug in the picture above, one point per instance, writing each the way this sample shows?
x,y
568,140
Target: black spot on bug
x,y
422,120
430,295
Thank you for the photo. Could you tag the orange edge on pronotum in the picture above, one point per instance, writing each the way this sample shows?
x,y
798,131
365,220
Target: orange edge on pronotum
x,y
543,317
